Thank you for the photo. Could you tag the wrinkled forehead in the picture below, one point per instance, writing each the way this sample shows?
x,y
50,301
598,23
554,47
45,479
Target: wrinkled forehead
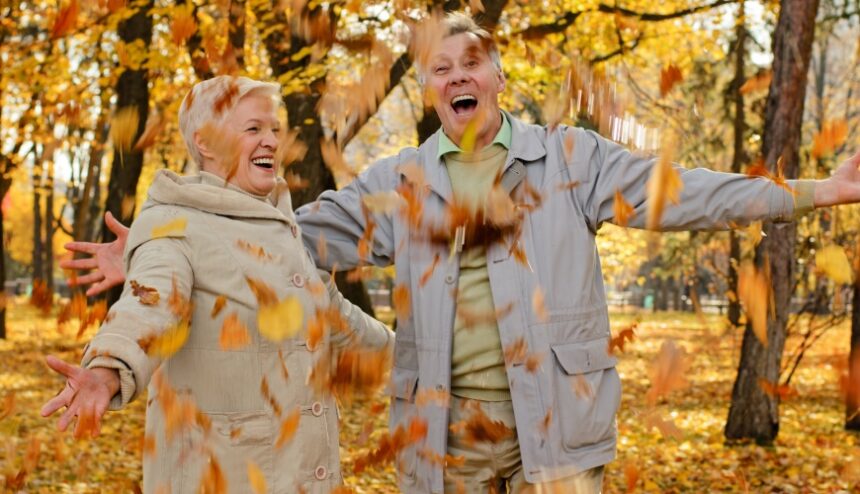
x,y
459,45
260,106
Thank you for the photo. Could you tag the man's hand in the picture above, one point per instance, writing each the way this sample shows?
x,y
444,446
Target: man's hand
x,y
86,396
106,260
843,187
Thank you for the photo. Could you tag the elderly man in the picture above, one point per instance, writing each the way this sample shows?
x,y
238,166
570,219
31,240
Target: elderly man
x,y
504,334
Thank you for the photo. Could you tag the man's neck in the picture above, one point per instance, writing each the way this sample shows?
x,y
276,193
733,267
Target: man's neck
x,y
485,138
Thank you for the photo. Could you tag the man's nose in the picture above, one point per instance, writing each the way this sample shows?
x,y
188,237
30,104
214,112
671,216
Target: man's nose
x,y
458,76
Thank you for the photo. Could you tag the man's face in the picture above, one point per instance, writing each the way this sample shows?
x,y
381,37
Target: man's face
x,y
464,85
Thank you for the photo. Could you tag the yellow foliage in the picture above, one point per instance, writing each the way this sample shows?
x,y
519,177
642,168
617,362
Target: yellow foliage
x,y
834,263
281,320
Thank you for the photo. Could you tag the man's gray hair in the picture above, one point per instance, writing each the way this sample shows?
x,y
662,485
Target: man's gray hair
x,y
212,100
455,23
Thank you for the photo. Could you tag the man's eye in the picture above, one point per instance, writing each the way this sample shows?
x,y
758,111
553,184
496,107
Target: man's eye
x,y
471,63
253,129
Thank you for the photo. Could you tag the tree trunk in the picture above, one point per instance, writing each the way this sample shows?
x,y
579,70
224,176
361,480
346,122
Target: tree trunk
x,y
754,414
5,184
131,91
852,395
49,226
738,156
38,252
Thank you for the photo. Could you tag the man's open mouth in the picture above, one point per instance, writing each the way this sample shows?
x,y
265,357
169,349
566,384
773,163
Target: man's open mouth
x,y
464,103
264,162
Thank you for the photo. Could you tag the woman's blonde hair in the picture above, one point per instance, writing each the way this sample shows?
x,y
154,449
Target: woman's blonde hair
x,y
212,100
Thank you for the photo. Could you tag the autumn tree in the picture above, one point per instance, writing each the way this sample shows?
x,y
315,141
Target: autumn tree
x,y
754,413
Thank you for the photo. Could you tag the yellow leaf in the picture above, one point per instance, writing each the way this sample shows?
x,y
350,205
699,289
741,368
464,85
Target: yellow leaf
x,y
664,184
170,341
176,226
623,209
123,128
281,320
834,263
256,478
183,24
754,292
538,305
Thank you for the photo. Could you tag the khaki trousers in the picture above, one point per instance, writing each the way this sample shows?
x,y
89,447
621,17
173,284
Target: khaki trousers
x,y
496,467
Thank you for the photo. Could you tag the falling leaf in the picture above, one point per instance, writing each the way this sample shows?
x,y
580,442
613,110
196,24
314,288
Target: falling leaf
x,y
402,301
755,293
126,207
538,306
168,342
667,428
834,263
631,476
438,397
254,250
155,123
569,141
213,481
476,6
234,334
783,391
149,446
516,352
123,128
174,227
282,320
182,25
545,423
219,304
500,208
67,19
533,362
256,478
830,138
8,405
668,372
623,209
759,82
669,77
664,184
382,202
263,292
145,294
480,428
425,276
581,387
625,335
288,428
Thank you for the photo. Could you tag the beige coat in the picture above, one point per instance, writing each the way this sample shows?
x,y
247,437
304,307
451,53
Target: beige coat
x,y
205,238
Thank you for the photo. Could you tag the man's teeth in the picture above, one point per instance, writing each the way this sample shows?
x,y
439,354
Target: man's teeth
x,y
463,97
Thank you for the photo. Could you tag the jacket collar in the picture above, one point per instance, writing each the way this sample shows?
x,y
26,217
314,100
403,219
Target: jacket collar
x,y
527,145
209,193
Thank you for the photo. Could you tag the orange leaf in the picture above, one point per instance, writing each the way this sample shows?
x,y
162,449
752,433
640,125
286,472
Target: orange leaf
x,y
631,476
669,77
154,125
402,301
624,336
664,184
538,305
67,19
425,276
755,293
288,428
783,391
832,135
146,295
254,250
623,210
8,405
759,82
183,25
668,372
219,304
256,478
234,334
263,292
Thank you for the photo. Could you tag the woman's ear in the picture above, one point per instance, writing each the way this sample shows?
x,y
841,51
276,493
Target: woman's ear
x,y
202,148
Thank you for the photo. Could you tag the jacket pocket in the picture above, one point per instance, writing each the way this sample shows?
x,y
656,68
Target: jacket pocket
x,y
587,392
404,384
239,438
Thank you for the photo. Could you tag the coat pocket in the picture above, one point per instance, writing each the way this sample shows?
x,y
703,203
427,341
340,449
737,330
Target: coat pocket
x,y
587,392
404,384
240,438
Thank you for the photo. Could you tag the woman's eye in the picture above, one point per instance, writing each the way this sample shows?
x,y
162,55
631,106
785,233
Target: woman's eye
x,y
439,70
253,129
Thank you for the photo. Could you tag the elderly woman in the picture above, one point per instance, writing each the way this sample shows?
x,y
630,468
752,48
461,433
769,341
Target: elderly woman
x,y
224,317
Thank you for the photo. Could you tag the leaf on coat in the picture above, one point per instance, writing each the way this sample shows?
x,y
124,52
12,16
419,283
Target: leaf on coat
x,y
402,301
173,227
625,335
755,293
145,295
182,25
256,478
254,250
830,138
123,128
67,19
234,334
218,306
668,372
538,305
783,391
669,77
623,210
833,262
382,202
664,184
288,428
759,82
282,320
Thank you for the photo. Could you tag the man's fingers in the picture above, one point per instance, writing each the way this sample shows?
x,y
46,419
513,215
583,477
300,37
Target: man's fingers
x,y
115,226
61,366
83,247
88,278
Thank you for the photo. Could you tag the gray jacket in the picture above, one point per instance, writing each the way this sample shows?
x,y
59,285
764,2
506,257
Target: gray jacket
x,y
558,238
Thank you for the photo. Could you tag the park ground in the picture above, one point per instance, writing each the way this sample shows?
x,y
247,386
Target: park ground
x,y
688,454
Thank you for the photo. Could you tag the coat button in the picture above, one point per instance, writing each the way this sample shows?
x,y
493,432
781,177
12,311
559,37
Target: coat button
x,y
298,280
320,473
449,278
294,230
317,408
440,388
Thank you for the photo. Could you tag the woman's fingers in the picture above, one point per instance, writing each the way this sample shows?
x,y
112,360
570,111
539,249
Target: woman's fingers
x,y
62,367
83,247
115,226
93,277
61,400
67,417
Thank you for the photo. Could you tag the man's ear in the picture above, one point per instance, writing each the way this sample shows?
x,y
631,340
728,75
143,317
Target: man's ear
x,y
201,146
502,81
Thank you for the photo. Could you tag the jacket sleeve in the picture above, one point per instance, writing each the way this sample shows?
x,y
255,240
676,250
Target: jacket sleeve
x,y
365,331
338,220
709,200
155,264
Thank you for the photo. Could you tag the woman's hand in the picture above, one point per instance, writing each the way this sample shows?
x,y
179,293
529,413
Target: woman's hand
x,y
86,396
106,260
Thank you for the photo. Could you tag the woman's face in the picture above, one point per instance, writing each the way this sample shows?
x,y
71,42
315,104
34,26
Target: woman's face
x,y
257,132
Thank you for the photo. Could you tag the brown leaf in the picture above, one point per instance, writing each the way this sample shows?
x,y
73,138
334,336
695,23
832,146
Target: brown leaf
x,y
425,276
631,476
480,428
8,405
625,335
783,391
533,362
146,295
669,77
155,124
623,209
264,293
516,352
664,184
66,20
